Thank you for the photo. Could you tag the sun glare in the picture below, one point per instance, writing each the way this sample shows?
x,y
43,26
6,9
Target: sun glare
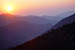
x,y
9,8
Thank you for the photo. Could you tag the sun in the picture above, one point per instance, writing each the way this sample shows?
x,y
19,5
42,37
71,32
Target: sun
x,y
9,8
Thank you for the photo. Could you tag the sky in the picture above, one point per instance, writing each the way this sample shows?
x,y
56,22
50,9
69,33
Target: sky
x,y
37,7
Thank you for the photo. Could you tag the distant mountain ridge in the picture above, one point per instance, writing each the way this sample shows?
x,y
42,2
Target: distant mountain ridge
x,y
64,21
66,14
8,18
57,18
36,20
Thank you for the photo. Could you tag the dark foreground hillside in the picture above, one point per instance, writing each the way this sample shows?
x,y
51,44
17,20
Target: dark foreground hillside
x,y
62,38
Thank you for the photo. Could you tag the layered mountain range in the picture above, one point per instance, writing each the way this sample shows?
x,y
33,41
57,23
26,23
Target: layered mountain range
x,y
16,30
59,38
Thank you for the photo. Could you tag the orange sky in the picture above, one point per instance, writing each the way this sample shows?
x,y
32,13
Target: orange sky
x,y
37,7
